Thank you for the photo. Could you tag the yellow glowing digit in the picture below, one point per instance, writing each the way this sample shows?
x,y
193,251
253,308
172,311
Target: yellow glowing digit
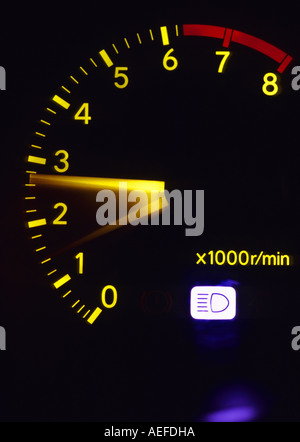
x,y
124,77
62,160
225,55
79,257
270,86
170,63
114,293
83,113
58,220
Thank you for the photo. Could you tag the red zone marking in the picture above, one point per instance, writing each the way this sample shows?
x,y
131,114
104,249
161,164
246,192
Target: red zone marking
x,y
229,35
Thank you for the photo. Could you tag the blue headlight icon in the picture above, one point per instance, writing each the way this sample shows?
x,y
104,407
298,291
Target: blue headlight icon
x,y
213,302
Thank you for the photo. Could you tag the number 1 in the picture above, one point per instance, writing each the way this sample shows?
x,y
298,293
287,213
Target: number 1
x,y
79,256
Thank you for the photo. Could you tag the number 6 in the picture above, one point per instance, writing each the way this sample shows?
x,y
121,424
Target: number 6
x,y
170,63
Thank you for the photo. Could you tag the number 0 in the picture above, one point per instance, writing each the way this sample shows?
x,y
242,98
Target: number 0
x,y
114,293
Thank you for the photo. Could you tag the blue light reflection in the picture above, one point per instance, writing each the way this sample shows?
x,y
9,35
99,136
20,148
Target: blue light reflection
x,y
235,404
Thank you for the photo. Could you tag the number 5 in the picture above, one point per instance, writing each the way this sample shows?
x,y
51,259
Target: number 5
x,y
225,55
119,74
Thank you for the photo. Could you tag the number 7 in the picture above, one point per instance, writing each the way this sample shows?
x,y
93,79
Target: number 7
x,y
225,55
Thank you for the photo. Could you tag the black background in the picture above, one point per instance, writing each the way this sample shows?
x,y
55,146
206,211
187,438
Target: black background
x,y
54,368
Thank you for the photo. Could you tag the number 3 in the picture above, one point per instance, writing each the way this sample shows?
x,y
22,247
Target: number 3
x,y
62,160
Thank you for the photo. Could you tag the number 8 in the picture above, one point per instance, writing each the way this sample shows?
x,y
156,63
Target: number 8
x,y
270,83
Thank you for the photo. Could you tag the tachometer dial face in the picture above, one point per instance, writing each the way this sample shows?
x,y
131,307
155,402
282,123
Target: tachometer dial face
x,y
179,107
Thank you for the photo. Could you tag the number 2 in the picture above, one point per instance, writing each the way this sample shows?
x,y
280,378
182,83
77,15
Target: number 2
x,y
58,220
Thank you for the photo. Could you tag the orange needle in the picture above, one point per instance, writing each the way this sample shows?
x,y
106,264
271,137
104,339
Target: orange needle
x,y
95,183
67,181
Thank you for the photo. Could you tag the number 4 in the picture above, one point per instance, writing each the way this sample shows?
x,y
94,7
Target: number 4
x,y
225,55
83,113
